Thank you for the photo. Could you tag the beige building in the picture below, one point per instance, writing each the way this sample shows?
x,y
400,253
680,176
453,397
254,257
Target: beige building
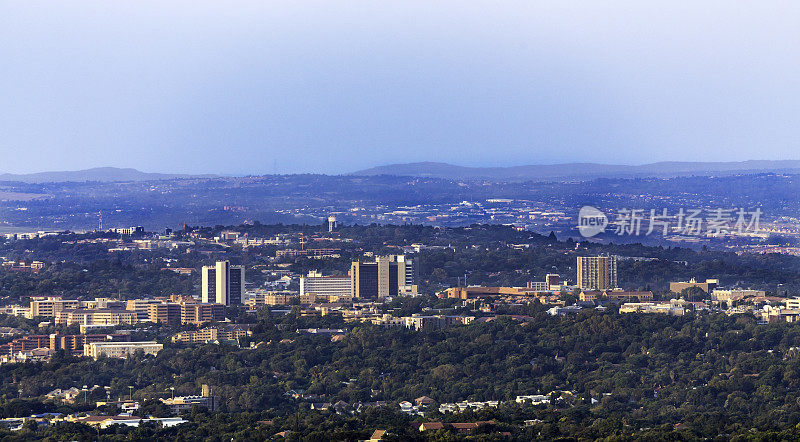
x,y
141,307
418,322
107,303
270,298
737,294
486,292
793,303
597,272
708,286
96,350
221,333
96,317
51,306
666,308
200,312
617,295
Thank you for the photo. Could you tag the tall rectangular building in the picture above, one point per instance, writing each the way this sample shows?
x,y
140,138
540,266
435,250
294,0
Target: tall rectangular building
x,y
223,283
597,272
386,276
208,284
235,285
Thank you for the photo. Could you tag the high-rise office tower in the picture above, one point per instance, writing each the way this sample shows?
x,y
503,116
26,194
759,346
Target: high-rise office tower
x,y
208,284
597,272
223,283
386,276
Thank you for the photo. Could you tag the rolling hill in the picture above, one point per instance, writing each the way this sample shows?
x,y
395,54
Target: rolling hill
x,y
582,171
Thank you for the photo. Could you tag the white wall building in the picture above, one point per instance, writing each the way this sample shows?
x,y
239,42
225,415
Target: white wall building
x,y
316,284
96,350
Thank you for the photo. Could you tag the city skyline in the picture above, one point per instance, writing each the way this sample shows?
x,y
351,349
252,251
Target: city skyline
x,y
373,221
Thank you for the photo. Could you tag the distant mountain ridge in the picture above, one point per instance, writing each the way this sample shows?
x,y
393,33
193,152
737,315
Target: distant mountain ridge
x,y
582,171
102,174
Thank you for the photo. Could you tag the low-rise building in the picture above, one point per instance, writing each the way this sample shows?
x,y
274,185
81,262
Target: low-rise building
x,y
181,404
202,312
708,286
534,399
56,342
219,333
322,331
105,303
76,343
23,266
67,396
35,355
564,310
282,297
96,350
141,307
458,427
96,317
25,343
7,332
458,407
473,292
50,306
386,320
617,295
104,422
793,303
667,308
24,312
778,314
129,406
419,322
733,295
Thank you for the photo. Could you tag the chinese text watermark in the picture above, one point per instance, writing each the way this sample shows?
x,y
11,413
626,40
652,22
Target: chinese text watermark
x,y
685,222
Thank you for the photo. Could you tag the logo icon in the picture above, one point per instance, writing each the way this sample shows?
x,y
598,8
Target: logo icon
x,y
591,221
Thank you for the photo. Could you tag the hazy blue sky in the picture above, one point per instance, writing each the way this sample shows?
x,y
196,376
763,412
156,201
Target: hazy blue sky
x,y
298,86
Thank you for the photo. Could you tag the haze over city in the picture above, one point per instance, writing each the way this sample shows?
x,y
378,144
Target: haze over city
x,y
263,87
399,221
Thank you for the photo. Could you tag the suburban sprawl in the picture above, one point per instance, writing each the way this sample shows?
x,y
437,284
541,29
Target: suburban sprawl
x,y
404,332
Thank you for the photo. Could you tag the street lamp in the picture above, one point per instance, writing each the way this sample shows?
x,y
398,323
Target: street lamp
x,y
173,392
130,392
